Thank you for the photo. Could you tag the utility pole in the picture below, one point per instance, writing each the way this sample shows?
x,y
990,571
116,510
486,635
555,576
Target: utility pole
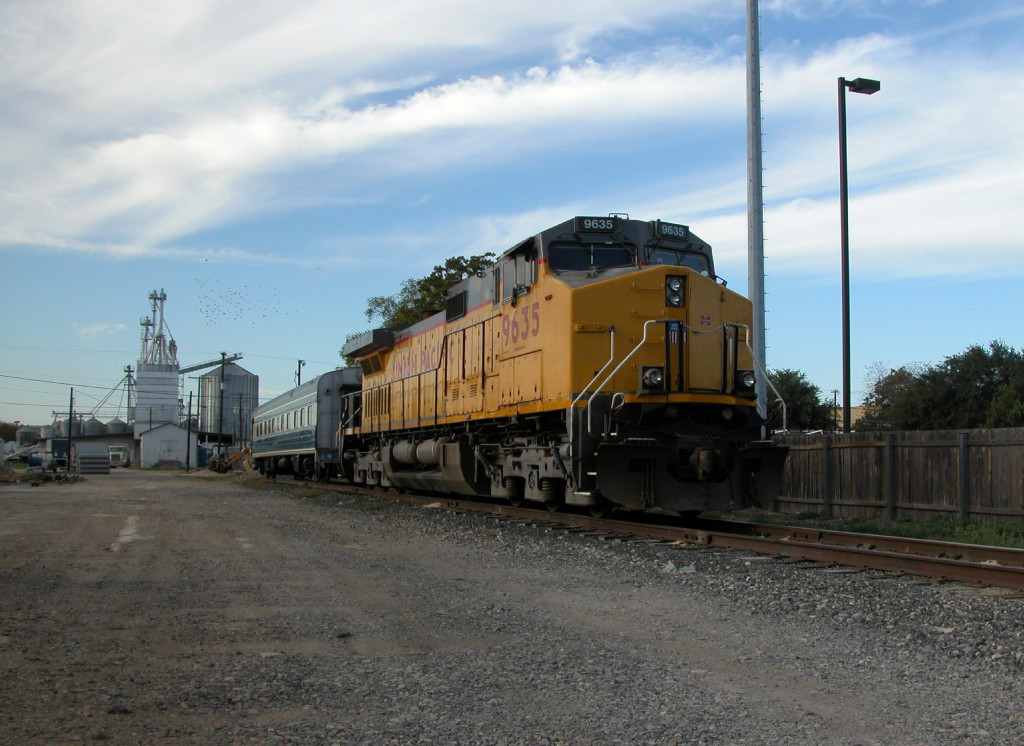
x,y
220,406
71,422
298,373
188,434
129,410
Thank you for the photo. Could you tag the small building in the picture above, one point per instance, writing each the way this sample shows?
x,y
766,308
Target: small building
x,y
52,449
167,446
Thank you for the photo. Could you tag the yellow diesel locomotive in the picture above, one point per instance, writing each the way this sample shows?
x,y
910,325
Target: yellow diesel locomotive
x,y
599,363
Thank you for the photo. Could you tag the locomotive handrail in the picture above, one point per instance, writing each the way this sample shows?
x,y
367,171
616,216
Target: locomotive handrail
x,y
767,380
339,436
572,405
632,352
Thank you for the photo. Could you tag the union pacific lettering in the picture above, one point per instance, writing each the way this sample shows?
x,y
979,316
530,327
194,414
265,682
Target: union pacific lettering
x,y
411,362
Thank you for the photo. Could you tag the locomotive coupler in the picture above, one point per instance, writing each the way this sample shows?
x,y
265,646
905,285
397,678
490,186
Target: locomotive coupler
x,y
706,462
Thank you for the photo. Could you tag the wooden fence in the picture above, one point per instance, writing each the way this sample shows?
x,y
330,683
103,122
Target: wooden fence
x,y
973,474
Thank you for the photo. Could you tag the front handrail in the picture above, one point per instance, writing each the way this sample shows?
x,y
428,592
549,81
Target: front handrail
x,y
572,405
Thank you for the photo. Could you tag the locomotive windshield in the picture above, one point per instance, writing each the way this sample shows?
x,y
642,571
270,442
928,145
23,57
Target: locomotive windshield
x,y
589,256
698,262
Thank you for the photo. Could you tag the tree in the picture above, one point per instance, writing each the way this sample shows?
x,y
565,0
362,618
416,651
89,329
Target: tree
x,y
426,294
889,390
423,296
8,431
805,409
1007,408
980,387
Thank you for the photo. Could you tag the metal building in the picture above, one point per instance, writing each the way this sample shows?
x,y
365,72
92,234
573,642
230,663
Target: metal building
x,y
240,398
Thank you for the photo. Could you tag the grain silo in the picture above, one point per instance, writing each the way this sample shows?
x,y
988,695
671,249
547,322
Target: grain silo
x,y
240,398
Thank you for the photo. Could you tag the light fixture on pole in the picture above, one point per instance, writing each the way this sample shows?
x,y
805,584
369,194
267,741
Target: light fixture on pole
x,y
867,86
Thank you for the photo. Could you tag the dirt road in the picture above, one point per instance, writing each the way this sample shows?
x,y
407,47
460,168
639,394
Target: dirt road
x,y
146,607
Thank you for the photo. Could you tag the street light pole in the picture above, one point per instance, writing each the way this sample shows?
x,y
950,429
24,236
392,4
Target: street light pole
x,y
866,86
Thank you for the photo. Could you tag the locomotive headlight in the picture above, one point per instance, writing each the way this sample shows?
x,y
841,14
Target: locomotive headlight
x,y
746,380
652,378
674,291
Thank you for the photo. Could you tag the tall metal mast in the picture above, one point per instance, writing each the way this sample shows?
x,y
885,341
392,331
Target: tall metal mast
x,y
158,345
755,201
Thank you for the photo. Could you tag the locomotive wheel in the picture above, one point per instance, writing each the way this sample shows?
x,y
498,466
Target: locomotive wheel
x,y
516,501
602,508
554,506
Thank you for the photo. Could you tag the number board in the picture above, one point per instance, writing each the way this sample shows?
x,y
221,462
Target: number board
x,y
672,230
595,225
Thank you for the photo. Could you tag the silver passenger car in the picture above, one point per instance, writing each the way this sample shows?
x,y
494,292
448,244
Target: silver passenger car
x,y
297,432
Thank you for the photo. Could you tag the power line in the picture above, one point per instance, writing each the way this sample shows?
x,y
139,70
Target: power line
x,y
56,383
26,404
66,349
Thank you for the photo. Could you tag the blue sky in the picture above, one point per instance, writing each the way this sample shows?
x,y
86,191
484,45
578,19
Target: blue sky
x,y
271,165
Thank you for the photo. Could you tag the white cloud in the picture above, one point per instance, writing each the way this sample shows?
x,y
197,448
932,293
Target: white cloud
x,y
98,330
149,122
160,185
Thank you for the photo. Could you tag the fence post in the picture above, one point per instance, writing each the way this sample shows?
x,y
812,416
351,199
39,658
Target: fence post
x,y
965,476
826,461
890,477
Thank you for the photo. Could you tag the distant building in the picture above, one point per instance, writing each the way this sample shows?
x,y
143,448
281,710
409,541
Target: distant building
x,y
241,397
167,446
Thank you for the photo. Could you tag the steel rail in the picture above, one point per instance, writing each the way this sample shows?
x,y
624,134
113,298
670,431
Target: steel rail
x,y
966,563
902,545
981,569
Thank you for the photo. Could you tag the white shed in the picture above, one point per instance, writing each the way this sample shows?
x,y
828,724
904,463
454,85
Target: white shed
x,y
164,446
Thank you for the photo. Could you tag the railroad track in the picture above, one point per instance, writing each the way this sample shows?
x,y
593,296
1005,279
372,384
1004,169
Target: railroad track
x,y
966,563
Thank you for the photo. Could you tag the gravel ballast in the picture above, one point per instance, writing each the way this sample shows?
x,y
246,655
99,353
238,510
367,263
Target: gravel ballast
x,y
156,608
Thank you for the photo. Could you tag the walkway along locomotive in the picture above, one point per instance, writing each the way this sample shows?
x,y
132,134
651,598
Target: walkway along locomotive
x,y
598,363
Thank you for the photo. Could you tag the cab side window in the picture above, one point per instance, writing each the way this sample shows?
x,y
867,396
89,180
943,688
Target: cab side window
x,y
518,273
